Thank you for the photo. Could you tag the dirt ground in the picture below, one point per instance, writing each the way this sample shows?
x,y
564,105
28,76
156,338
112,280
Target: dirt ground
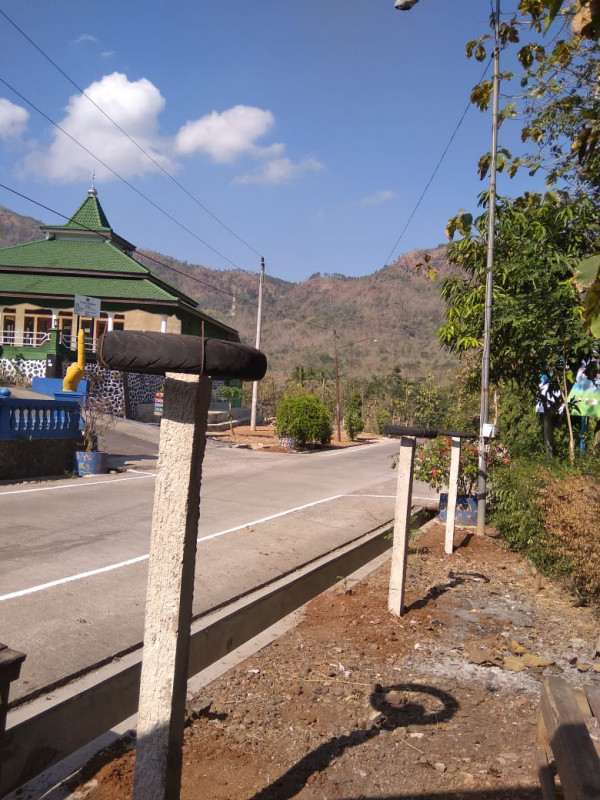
x,y
265,438
356,703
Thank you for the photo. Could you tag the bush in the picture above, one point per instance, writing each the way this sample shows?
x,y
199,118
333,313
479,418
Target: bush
x,y
353,421
304,418
550,513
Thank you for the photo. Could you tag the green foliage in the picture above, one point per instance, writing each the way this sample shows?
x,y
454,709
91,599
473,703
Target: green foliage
x,y
537,310
353,421
519,426
549,513
383,418
229,393
432,465
518,515
304,418
556,97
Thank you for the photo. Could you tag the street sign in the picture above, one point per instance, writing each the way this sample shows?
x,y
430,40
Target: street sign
x,y
86,306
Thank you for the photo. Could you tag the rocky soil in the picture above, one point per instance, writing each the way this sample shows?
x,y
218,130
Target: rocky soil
x,y
356,703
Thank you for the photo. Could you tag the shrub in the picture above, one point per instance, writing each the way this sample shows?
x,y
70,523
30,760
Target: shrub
x,y
304,418
353,421
382,418
550,513
432,464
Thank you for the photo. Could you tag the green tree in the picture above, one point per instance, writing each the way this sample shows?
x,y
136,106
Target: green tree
x,y
304,418
229,393
537,309
353,421
559,103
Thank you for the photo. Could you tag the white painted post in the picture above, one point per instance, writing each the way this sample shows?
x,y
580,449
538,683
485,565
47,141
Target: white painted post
x,y
452,492
406,460
170,587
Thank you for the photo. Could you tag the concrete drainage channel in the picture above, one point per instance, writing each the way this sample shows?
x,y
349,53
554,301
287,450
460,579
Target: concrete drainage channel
x,y
48,740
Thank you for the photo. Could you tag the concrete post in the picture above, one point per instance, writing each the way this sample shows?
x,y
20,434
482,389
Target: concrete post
x,y
170,587
10,669
406,460
452,492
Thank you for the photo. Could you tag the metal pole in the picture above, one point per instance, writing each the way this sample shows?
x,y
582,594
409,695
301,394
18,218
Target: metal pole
x,y
489,283
258,332
337,388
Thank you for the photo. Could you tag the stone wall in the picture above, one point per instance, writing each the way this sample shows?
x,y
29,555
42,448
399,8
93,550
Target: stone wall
x,y
36,458
27,368
140,389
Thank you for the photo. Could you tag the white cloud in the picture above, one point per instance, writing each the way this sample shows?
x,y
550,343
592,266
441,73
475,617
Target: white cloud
x,y
134,105
13,119
108,53
383,196
226,135
279,170
85,37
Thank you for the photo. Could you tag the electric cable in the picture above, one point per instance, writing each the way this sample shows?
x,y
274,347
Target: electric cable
x,y
434,173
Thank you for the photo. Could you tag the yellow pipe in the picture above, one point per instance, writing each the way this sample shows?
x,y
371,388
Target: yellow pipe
x,y
76,371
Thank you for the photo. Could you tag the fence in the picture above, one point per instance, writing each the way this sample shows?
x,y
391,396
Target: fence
x,y
38,419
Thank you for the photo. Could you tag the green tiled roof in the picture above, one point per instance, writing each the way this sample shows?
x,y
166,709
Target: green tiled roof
x,y
67,285
96,255
89,215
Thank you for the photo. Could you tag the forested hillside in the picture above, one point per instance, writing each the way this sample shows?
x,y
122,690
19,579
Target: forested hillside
x,y
396,305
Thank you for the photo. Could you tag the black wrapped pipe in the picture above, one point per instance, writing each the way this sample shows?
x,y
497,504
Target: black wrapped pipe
x,y
425,433
158,353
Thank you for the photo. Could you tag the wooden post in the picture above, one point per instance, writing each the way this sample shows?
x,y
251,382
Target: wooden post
x,y
452,492
406,460
170,587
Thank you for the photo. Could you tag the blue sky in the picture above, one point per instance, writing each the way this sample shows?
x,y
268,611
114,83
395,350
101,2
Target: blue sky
x,y
309,128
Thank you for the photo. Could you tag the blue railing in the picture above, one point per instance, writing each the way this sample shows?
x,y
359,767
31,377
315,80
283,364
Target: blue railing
x,y
39,419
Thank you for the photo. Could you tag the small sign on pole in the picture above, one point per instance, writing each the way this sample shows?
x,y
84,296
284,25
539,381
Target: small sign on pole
x,y
86,306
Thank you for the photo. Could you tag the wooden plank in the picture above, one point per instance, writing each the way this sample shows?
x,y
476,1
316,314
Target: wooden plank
x,y
593,697
545,774
575,756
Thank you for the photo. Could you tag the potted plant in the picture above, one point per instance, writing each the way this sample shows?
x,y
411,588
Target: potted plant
x,y
432,466
96,418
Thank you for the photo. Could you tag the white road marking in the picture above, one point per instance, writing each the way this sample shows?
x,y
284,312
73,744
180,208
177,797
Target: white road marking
x,y
139,559
77,485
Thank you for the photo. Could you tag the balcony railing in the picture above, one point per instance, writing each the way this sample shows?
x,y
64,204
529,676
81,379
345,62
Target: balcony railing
x,y
38,419
31,339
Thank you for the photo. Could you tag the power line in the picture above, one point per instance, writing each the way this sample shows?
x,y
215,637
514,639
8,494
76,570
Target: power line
x,y
434,173
131,139
117,175
207,285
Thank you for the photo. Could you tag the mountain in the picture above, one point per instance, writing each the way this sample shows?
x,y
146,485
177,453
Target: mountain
x,y
397,305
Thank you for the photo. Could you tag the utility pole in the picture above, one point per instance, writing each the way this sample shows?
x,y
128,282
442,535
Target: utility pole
x,y
489,284
337,388
258,332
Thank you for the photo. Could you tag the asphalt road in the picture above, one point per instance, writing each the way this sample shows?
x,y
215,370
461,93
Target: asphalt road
x,y
73,553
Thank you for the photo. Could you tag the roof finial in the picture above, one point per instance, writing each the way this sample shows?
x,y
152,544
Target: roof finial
x,y
92,191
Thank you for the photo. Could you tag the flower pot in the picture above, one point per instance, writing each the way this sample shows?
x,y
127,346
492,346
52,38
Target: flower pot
x,y
90,463
466,510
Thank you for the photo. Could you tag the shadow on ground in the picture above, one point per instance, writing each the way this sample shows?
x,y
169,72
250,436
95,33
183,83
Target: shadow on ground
x,y
399,705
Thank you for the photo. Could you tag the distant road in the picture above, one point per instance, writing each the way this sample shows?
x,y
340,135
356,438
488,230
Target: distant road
x,y
73,554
